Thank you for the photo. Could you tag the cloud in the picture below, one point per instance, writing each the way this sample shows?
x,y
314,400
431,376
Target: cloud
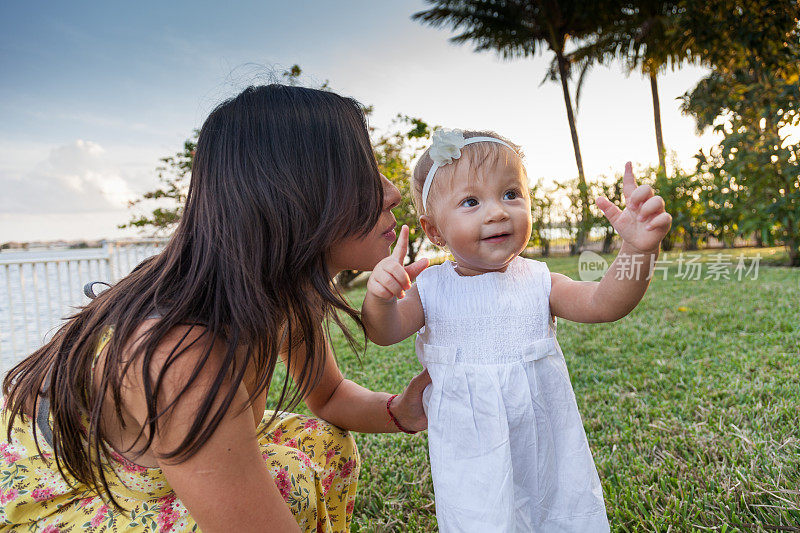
x,y
74,178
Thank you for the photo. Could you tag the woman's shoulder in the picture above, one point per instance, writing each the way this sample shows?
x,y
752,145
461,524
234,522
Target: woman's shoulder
x,y
185,356
175,376
176,353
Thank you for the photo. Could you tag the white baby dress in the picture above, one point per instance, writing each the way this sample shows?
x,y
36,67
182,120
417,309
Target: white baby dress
x,y
507,447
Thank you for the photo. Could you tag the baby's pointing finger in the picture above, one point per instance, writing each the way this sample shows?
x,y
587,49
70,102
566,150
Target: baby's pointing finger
x,y
628,181
401,247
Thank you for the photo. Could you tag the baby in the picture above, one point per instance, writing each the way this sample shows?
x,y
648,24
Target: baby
x,y
507,446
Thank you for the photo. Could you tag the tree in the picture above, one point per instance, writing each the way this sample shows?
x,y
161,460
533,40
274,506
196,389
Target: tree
x,y
394,152
720,196
681,193
570,192
542,216
611,189
570,211
646,35
751,99
520,28
173,176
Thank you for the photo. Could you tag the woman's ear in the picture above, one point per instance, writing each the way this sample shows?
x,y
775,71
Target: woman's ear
x,y
431,231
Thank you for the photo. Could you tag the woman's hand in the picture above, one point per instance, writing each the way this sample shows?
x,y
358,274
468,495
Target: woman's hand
x,y
407,407
643,223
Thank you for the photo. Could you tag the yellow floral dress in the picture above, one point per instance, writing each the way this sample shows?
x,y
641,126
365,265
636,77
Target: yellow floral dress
x,y
314,464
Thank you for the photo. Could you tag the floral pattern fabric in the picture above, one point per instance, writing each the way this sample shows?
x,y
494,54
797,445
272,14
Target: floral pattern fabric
x,y
314,464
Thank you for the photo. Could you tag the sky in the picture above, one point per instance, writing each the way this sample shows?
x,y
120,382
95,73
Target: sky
x,y
92,94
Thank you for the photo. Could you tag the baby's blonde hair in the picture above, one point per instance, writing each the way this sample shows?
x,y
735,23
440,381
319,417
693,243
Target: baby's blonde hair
x,y
478,154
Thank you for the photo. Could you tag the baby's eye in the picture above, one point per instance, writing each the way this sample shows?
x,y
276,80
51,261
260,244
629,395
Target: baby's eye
x,y
511,195
469,202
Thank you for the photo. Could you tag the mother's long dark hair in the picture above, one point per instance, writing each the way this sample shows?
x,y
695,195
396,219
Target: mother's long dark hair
x,y
280,174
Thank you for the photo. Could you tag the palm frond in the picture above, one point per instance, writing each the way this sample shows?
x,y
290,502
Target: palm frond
x,y
512,28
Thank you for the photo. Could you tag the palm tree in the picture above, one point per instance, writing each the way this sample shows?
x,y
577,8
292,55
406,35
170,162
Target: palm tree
x,y
646,35
519,28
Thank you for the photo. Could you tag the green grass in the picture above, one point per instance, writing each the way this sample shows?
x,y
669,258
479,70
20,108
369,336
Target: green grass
x,y
691,405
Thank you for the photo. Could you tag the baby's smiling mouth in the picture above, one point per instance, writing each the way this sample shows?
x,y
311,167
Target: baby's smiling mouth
x,y
497,237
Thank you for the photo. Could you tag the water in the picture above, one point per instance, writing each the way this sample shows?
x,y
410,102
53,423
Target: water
x,y
40,288
52,254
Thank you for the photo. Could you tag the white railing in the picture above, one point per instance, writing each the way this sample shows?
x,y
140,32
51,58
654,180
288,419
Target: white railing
x,y
38,289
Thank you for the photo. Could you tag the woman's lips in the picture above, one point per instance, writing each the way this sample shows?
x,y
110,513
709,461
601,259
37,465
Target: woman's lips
x,y
390,233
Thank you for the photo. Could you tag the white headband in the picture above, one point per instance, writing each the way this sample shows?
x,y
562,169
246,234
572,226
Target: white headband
x,y
447,145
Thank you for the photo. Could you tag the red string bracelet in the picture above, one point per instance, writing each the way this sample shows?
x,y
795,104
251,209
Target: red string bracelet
x,y
396,423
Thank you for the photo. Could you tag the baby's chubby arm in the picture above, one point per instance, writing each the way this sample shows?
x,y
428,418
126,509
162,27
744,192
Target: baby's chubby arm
x,y
392,308
642,226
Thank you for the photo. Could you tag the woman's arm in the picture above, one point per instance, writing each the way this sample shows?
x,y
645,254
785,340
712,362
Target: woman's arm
x,y
350,406
356,408
225,485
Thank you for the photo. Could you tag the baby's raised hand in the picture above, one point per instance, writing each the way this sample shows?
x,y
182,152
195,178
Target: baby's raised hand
x,y
643,223
390,279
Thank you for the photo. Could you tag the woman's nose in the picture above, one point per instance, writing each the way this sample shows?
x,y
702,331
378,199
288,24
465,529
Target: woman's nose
x,y
391,194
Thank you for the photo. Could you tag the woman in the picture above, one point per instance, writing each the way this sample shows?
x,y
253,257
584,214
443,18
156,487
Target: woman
x,y
156,390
